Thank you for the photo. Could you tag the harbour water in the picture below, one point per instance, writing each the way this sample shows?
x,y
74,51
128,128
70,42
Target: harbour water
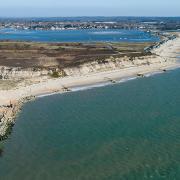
x,y
125,131
110,35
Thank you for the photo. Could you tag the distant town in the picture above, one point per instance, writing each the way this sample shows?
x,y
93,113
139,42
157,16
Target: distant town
x,y
78,23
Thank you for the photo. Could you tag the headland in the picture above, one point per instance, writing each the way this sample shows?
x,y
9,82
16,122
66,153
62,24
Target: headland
x,y
29,70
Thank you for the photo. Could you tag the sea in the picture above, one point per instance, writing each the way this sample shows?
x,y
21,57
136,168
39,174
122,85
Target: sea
x,y
124,131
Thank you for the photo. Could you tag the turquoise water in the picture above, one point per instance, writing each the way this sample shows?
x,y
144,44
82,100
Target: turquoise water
x,y
125,131
78,35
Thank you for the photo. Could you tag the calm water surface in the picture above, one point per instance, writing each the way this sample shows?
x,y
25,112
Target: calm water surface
x,y
126,131
78,35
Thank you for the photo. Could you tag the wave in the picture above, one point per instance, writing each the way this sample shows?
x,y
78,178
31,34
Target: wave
x,y
86,87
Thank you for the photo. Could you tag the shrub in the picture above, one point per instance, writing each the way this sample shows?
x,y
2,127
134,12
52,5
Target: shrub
x,y
55,74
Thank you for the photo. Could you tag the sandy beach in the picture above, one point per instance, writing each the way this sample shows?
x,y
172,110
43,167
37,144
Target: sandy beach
x,y
59,85
164,59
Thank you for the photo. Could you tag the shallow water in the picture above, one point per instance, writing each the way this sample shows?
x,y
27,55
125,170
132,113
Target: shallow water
x,y
78,35
125,131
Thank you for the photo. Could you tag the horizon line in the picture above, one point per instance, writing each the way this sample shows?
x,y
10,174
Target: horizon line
x,y
86,16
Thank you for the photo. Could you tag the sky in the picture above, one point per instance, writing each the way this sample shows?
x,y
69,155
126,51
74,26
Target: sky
x,y
57,8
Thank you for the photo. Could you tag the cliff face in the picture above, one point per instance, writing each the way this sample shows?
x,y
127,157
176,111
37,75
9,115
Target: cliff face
x,y
113,64
17,73
83,69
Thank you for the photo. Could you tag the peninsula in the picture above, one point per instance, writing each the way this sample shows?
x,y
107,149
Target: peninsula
x,y
29,70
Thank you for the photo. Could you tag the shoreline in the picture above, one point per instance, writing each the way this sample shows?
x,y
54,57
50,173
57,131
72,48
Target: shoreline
x,y
107,83
11,101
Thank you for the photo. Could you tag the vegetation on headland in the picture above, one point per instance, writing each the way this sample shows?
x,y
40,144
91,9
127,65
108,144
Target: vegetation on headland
x,y
63,55
55,74
58,74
